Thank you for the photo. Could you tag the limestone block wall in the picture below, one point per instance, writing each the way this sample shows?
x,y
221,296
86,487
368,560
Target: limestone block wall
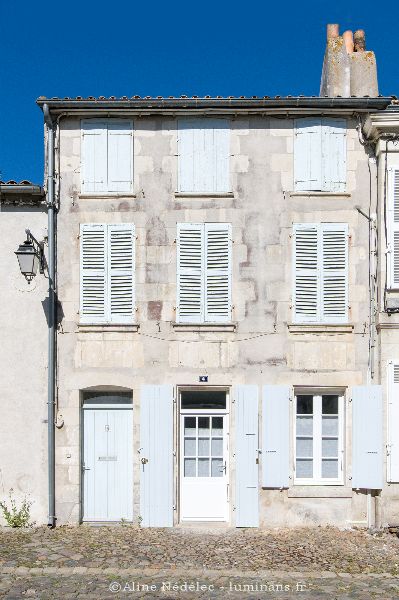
x,y
263,348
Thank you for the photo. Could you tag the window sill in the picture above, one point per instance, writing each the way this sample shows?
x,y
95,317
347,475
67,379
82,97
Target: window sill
x,y
319,328
107,328
321,194
205,327
109,195
335,490
201,195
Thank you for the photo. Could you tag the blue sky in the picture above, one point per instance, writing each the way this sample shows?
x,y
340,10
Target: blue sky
x,y
167,48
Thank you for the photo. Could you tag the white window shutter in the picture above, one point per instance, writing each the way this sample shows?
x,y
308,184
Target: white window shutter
x,y
120,156
393,228
307,154
121,259
333,155
94,156
93,274
204,155
367,462
218,272
247,484
334,278
190,270
393,422
275,436
306,273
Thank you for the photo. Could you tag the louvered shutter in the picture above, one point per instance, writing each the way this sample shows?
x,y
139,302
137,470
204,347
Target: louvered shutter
x,y
307,154
333,155
218,272
275,436
306,273
121,245
94,156
334,279
367,437
393,228
204,153
93,274
190,271
393,422
120,156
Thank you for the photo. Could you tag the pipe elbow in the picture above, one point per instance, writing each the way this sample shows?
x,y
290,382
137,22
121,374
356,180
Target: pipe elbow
x,y
47,116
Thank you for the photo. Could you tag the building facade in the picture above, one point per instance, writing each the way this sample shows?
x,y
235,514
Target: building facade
x,y
225,348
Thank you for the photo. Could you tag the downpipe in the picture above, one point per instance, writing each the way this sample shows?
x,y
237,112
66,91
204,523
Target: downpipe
x,y
51,317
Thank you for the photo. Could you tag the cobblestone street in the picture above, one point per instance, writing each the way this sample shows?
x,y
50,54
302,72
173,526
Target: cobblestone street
x,y
112,562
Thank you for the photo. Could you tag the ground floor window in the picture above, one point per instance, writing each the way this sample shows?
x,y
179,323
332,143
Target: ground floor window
x,y
318,438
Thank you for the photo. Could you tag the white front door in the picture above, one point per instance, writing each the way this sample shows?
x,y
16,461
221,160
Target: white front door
x,y
204,467
107,464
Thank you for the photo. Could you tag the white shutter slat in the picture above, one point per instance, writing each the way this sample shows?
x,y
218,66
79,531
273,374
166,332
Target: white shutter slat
x,y
93,279
393,228
333,155
334,280
393,422
306,273
275,436
218,272
221,135
367,462
94,155
120,156
190,269
186,134
307,154
121,242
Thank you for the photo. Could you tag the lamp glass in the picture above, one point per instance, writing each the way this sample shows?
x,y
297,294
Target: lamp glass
x,y
28,260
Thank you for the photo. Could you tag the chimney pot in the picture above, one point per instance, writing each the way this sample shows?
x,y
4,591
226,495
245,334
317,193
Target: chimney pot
x,y
360,40
332,31
348,40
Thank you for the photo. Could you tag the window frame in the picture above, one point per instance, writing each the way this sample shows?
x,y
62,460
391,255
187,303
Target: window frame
x,y
317,435
106,193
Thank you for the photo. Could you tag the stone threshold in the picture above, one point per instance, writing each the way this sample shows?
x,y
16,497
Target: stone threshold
x,y
205,327
320,194
201,195
319,328
108,328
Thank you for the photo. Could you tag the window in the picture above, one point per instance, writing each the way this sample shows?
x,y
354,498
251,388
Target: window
x,y
107,156
204,151
321,273
320,154
393,228
107,273
318,439
204,273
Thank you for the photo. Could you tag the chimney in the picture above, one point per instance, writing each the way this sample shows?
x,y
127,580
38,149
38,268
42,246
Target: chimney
x,y
348,69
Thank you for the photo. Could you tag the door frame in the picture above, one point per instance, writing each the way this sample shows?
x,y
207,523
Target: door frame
x,y
100,406
227,412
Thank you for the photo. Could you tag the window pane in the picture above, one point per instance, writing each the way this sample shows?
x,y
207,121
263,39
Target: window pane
x,y
329,447
304,425
329,425
203,399
304,468
304,447
304,405
330,405
217,426
217,467
217,447
203,467
329,468
189,467
189,425
203,426
203,446
189,447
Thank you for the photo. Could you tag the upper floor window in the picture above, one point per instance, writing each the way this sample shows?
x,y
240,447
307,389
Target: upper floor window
x,y
107,156
204,152
393,228
107,273
204,273
320,154
320,273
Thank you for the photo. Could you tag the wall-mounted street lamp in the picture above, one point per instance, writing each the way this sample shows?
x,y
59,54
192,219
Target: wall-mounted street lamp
x,y
30,256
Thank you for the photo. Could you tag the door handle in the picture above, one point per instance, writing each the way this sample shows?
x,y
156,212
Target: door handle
x,y
224,467
144,461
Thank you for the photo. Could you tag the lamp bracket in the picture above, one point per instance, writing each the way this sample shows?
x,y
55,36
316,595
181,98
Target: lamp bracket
x,y
39,247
